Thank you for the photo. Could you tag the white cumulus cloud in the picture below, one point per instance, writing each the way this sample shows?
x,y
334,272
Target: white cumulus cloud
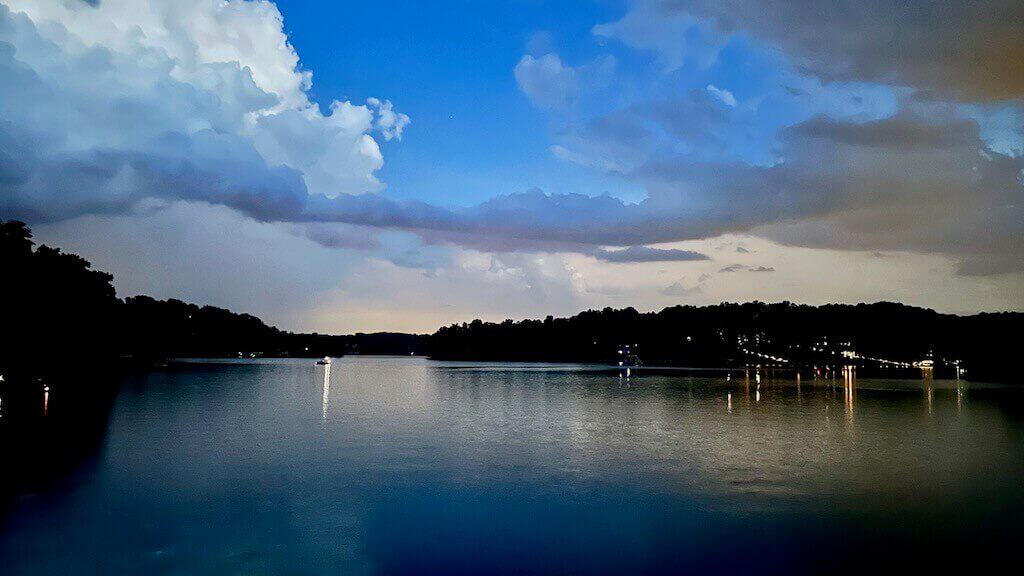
x,y
109,103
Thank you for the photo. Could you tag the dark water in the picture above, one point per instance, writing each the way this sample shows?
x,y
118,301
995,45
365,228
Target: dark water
x,y
403,466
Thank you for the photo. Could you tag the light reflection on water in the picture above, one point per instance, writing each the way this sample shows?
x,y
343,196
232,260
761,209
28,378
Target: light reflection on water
x,y
402,465
327,390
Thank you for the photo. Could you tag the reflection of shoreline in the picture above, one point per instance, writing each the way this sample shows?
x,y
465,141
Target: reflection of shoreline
x,y
52,431
229,452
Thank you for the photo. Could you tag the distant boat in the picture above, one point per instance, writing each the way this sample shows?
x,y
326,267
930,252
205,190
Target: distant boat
x,y
325,362
628,357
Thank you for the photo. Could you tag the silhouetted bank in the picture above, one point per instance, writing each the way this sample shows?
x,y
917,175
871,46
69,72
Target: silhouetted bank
x,y
783,334
171,328
58,311
55,431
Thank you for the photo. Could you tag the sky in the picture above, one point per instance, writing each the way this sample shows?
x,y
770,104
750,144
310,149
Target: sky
x,y
350,166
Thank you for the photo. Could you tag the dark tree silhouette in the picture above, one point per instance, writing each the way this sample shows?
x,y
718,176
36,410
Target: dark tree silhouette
x,y
56,308
738,334
59,315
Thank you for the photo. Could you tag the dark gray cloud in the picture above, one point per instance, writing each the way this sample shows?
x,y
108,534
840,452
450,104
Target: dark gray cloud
x,y
961,49
335,236
648,254
903,132
414,258
920,180
696,117
743,268
841,186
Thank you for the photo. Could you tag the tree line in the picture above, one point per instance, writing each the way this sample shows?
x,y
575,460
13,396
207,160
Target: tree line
x,y
723,335
59,312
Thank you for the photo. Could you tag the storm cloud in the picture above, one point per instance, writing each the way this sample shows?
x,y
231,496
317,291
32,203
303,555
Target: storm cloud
x,y
970,50
105,106
858,126
648,254
173,121
934,192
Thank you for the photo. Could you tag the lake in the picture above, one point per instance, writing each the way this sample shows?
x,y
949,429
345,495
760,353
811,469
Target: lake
x,y
407,466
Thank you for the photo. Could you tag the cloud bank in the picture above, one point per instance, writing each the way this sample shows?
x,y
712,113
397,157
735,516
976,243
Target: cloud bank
x,y
648,254
105,105
834,125
959,49
125,102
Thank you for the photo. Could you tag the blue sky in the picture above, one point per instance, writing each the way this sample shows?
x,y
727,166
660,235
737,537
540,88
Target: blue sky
x,y
448,66
475,134
396,165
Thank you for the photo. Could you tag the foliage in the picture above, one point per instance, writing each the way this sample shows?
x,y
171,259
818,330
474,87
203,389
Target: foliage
x,y
58,311
733,334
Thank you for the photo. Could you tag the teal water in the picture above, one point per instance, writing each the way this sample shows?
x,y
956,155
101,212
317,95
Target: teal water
x,y
407,466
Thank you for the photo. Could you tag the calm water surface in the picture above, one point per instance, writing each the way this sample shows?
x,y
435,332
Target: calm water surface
x,y
403,466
